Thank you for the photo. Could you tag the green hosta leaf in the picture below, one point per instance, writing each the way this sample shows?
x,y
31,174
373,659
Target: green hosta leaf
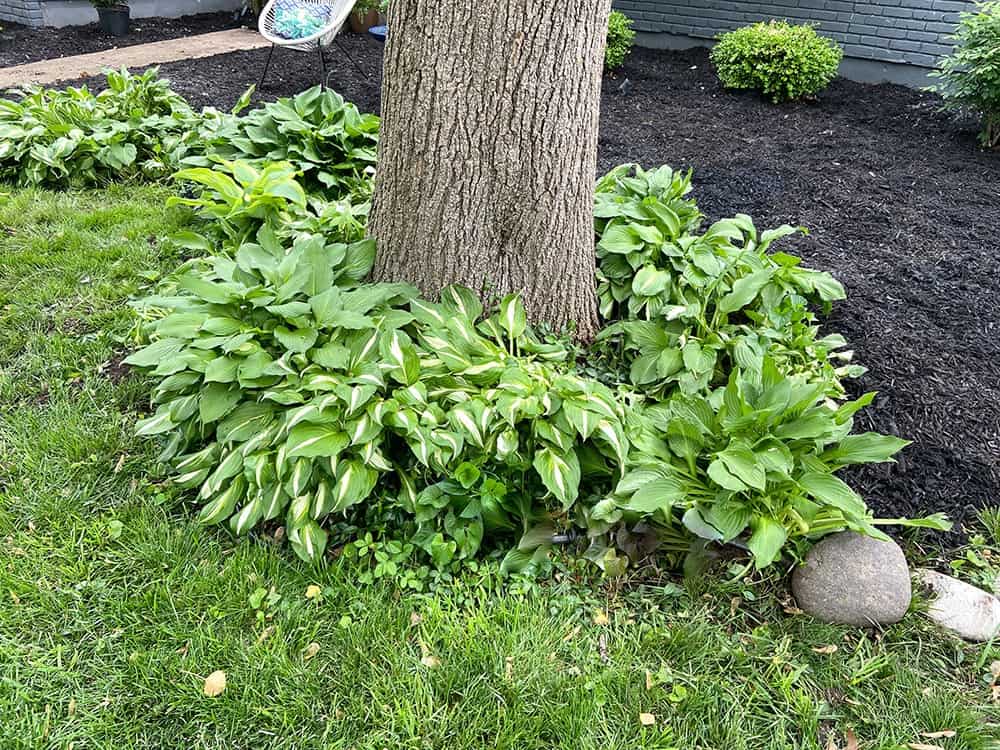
x,y
247,517
219,509
157,424
513,318
458,299
244,422
729,517
866,448
744,290
308,541
560,473
741,462
656,495
650,281
155,353
397,350
766,541
355,481
298,340
618,238
216,401
830,490
315,440
695,522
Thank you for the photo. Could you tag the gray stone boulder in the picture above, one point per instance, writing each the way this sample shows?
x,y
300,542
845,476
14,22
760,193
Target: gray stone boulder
x,y
967,611
852,579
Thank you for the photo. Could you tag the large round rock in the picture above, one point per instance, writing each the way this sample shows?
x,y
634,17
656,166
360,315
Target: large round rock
x,y
852,579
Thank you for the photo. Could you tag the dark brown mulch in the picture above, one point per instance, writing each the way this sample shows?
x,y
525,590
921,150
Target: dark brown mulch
x,y
23,44
901,205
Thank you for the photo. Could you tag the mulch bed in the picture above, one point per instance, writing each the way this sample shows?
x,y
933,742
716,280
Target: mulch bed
x,y
901,205
23,44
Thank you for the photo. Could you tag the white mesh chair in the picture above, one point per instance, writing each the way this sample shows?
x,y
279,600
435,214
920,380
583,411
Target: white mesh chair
x,y
337,13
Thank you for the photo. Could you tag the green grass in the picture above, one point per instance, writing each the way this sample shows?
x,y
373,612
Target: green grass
x,y
115,605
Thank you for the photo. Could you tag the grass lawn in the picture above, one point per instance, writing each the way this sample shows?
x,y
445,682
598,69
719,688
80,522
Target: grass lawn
x,y
115,605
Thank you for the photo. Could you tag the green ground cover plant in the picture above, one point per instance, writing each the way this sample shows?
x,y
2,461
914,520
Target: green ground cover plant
x,y
781,60
117,604
970,75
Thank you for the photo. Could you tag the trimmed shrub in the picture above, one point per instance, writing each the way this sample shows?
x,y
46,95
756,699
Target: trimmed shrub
x,y
620,36
970,76
781,60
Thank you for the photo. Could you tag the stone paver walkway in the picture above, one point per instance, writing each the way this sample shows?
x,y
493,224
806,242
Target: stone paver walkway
x,y
137,56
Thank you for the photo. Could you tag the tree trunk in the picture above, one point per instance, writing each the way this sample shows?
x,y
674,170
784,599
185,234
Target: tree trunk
x,y
488,151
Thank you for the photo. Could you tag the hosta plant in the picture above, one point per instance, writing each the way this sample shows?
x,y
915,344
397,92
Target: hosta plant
x,y
755,458
288,388
693,306
291,390
328,140
75,138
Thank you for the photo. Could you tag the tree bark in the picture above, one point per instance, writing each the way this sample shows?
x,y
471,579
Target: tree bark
x,y
488,151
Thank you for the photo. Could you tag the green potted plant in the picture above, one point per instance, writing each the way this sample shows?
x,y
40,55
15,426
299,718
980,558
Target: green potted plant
x,y
113,16
365,15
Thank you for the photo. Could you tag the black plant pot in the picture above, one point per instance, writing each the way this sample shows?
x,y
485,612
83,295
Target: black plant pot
x,y
114,20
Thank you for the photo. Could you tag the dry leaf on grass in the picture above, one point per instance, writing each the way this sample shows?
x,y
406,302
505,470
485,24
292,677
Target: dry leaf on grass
x,y
831,649
215,683
943,734
852,740
571,634
922,746
649,680
313,591
647,720
600,617
415,618
427,658
310,651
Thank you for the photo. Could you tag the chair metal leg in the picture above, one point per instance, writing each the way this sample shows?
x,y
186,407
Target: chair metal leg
x,y
348,56
260,83
322,65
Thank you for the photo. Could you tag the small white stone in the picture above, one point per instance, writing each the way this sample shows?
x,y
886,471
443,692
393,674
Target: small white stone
x,y
965,610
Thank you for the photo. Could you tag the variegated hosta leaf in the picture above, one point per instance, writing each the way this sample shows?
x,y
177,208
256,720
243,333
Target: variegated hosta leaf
x,y
560,473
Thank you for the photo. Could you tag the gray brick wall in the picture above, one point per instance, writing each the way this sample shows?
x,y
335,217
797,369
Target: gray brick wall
x,y
28,12
911,32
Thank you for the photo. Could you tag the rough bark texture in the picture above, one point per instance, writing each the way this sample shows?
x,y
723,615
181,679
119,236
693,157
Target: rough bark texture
x,y
488,151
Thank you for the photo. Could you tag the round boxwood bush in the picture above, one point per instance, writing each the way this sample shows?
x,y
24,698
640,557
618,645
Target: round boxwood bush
x,y
782,60
620,36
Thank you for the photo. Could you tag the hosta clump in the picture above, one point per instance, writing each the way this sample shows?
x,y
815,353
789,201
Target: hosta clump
x,y
756,457
290,389
75,138
237,201
691,306
328,140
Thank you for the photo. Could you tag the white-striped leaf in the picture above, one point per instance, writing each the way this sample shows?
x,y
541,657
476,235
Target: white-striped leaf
x,y
355,482
560,473
315,440
513,318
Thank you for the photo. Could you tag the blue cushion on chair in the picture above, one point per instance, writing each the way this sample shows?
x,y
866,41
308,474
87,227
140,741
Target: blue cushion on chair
x,y
294,20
